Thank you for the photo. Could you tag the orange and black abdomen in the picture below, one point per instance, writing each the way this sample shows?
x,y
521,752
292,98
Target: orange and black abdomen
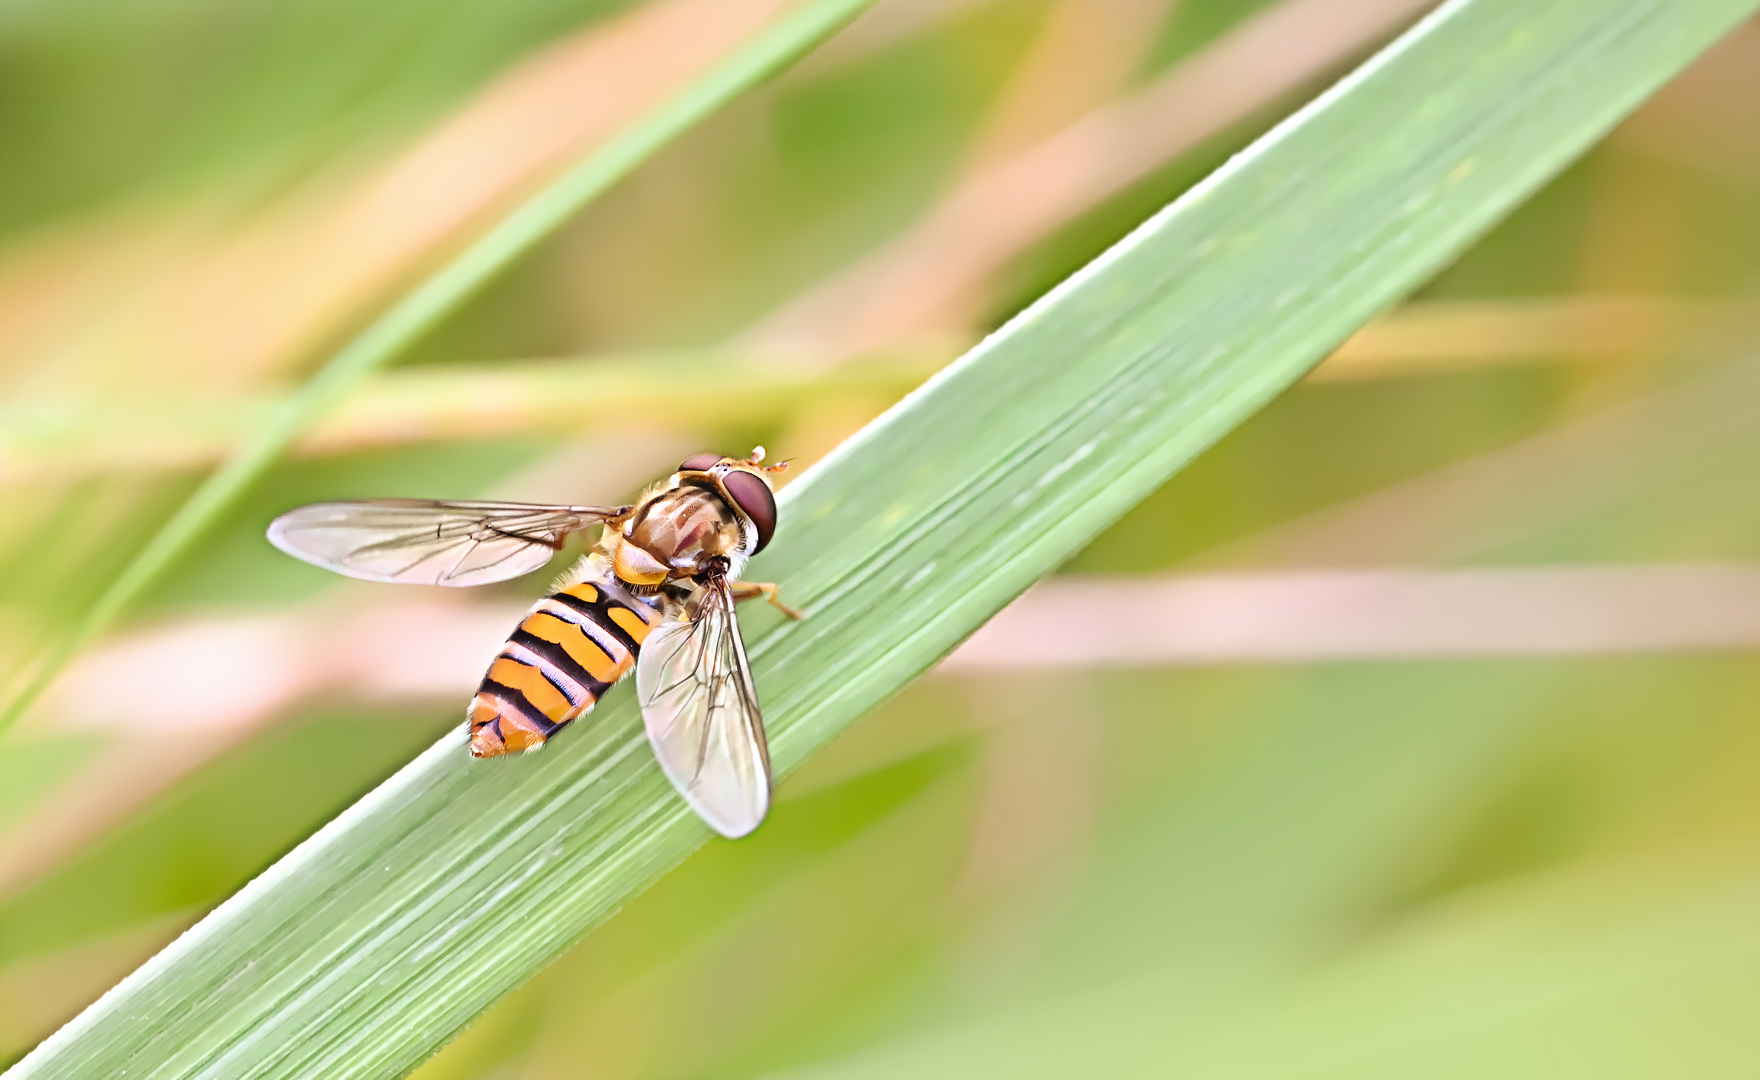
x,y
567,651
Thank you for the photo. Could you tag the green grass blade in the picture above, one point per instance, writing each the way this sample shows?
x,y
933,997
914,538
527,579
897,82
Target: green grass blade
x,y
365,948
404,323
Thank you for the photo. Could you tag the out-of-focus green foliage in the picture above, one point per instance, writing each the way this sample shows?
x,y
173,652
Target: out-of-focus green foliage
x,y
1489,866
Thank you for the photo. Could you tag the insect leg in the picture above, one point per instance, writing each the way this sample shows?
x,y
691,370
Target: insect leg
x,y
747,590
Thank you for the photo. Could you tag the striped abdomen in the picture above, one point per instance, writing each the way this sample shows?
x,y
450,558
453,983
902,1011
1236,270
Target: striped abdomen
x,y
565,653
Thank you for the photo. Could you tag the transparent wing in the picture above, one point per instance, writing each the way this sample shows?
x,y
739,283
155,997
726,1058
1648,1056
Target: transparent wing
x,y
427,542
701,712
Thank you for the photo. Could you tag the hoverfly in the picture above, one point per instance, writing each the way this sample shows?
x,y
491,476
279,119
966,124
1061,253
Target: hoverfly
x,y
656,594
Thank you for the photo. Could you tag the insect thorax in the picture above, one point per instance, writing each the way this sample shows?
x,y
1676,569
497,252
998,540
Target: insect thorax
x,y
677,533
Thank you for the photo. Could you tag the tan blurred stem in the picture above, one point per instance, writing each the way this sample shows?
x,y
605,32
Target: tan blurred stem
x,y
882,26
696,393
250,673
925,282
561,397
1437,336
1086,51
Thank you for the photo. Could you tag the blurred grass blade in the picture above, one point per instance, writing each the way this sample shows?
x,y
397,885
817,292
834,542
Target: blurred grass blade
x,y
365,948
431,301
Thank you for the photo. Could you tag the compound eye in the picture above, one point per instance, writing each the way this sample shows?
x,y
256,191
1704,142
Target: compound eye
x,y
699,463
757,501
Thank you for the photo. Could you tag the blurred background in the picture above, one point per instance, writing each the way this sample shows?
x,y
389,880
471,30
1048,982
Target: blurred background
x,y
1430,745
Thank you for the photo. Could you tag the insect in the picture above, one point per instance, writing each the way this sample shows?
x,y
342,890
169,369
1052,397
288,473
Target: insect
x,y
656,594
